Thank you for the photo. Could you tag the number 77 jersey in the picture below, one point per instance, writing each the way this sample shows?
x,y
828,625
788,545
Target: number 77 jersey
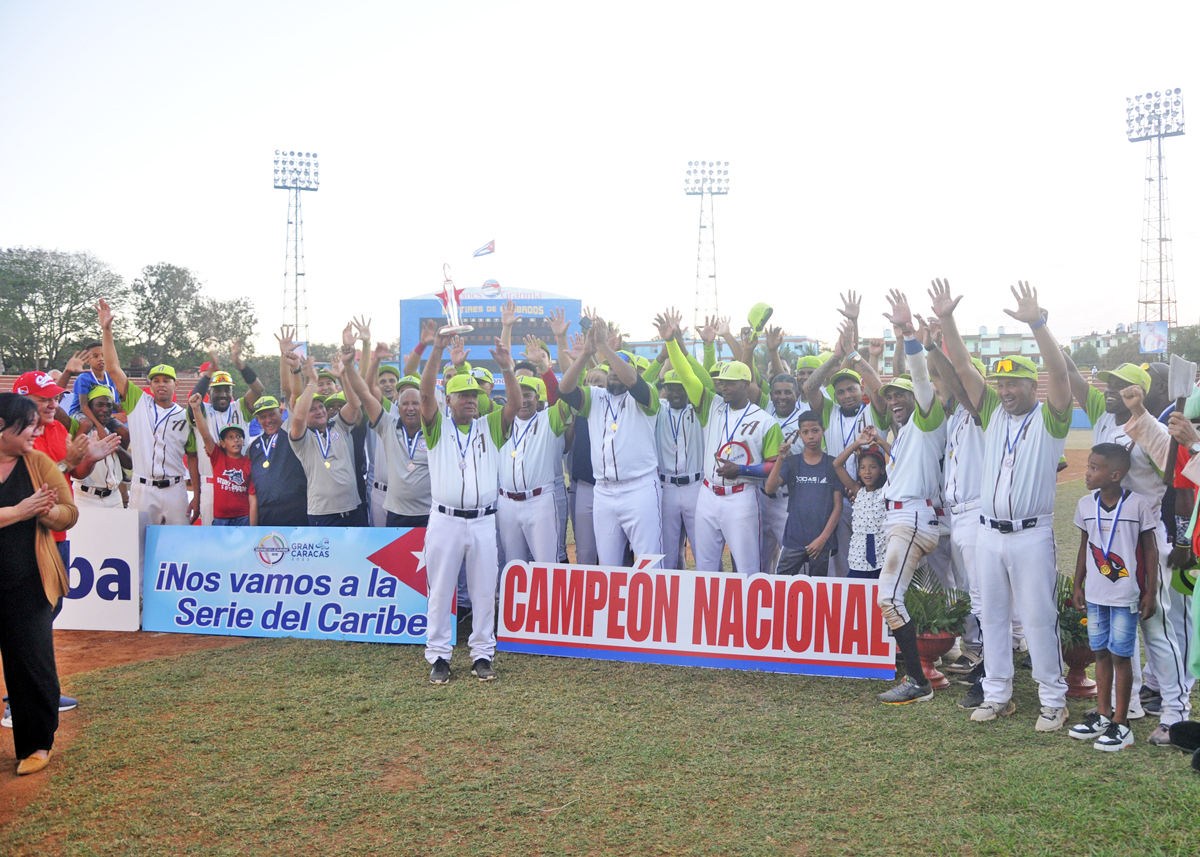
x,y
158,437
746,436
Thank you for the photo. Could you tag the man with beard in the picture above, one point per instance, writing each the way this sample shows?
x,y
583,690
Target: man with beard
x,y
620,423
743,442
1109,416
101,487
1014,554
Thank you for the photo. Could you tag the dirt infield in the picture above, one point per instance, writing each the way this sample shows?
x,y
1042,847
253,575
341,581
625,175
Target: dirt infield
x,y
83,651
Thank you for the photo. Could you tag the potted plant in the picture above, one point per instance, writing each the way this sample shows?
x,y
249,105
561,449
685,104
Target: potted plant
x,y
1077,652
939,615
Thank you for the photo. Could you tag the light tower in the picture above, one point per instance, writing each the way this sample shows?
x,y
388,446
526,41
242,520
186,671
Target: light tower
x,y
706,179
295,172
1149,118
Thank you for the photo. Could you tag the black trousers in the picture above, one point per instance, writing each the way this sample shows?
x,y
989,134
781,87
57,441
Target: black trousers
x,y
27,646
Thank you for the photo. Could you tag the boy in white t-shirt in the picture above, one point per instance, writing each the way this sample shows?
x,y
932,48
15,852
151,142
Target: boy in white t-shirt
x,y
1117,568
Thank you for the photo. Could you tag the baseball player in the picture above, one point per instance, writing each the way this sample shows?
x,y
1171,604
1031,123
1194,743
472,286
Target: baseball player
x,y
620,419
913,494
773,508
1109,415
464,472
101,487
1014,553
743,442
160,440
220,411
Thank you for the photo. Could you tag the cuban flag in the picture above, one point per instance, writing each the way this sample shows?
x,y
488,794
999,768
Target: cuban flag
x,y
487,248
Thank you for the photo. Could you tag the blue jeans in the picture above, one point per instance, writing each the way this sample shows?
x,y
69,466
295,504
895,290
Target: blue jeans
x,y
1113,628
240,521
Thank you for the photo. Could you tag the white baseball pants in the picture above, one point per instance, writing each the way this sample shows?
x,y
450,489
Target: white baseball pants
x,y
1164,659
378,513
560,512
731,519
628,511
1018,570
449,542
206,501
528,528
911,536
964,533
678,518
773,513
582,500
163,505
112,501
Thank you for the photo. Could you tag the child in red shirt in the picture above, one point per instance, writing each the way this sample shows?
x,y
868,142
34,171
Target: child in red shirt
x,y
234,503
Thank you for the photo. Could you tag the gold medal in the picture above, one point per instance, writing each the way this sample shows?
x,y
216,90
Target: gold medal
x,y
614,426
326,465
514,453
266,464
1106,570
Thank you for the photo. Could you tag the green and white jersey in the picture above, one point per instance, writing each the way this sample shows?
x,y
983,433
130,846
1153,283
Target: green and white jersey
x,y
1020,459
841,429
963,468
621,432
159,438
234,415
679,441
1143,477
406,459
327,457
532,456
915,462
464,461
747,436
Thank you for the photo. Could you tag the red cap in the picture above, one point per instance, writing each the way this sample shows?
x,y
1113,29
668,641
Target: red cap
x,y
37,384
205,366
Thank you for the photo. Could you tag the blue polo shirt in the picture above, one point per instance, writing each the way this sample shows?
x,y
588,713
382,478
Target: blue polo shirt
x,y
279,481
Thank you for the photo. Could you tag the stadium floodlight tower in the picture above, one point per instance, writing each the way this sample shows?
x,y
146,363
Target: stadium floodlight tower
x,y
706,179
1150,118
296,172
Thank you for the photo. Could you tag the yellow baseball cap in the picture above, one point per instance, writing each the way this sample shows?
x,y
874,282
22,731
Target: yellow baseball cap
x,y
482,374
162,369
265,403
978,364
811,361
535,384
221,379
462,382
1129,373
900,383
409,381
386,370
846,373
1014,367
672,377
735,370
101,391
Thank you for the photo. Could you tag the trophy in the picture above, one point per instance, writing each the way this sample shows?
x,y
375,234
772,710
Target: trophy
x,y
449,297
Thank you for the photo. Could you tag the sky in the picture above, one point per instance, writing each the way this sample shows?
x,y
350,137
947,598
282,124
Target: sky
x,y
871,146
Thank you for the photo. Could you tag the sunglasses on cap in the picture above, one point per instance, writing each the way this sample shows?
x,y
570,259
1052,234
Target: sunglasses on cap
x,y
1004,366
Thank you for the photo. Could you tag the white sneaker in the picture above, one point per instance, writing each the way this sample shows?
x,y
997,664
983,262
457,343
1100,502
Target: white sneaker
x,y
1136,712
1092,726
1116,737
992,710
1051,719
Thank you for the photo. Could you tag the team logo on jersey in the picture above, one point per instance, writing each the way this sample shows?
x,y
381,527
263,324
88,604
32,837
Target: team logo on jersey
x,y
421,443
1113,567
333,435
749,428
235,476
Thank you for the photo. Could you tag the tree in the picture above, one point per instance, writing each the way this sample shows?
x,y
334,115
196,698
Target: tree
x,y
1086,356
47,303
1128,351
1185,341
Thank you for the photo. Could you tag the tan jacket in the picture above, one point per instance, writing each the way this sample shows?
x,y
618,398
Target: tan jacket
x,y
43,471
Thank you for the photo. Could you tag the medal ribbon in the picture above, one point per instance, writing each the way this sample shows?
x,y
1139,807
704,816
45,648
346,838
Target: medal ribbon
x,y
729,434
853,425
1010,446
676,427
269,446
528,426
412,444
1112,534
326,445
155,423
462,451
609,412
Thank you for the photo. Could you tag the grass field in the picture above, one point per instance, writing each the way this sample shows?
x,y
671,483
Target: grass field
x,y
289,747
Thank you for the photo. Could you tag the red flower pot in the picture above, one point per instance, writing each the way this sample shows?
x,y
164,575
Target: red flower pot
x,y
931,647
1078,659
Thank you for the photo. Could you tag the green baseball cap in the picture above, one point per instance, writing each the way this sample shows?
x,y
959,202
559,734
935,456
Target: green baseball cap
x,y
735,371
535,384
481,374
462,382
1130,373
162,369
465,368
232,427
900,383
718,367
325,373
336,397
101,391
409,381
672,377
846,373
824,356
385,370
639,363
978,364
760,313
809,361
265,403
1013,367
318,398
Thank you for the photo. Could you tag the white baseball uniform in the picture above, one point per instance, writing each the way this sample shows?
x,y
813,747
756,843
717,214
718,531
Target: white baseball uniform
x,y
234,415
773,509
679,443
101,487
464,472
159,440
526,511
1014,554
962,470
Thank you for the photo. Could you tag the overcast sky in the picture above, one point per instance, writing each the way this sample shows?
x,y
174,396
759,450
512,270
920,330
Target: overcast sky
x,y
871,146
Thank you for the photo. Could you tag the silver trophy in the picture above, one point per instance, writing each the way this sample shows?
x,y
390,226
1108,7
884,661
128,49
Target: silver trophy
x,y
450,296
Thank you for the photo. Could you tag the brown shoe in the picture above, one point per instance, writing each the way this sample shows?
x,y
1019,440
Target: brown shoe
x,y
33,764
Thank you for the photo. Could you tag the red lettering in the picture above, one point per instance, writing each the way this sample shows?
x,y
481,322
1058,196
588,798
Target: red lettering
x,y
880,647
595,594
705,618
666,606
829,615
777,620
731,614
537,620
514,613
855,633
758,634
566,600
616,631
794,617
641,606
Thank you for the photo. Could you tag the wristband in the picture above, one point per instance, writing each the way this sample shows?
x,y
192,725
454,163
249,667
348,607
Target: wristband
x,y
854,356
1181,527
911,346
419,349
296,371
248,375
931,346
1041,322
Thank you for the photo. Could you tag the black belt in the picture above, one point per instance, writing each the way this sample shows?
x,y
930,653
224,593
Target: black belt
x,y
381,486
99,492
1009,526
466,513
680,480
160,483
524,495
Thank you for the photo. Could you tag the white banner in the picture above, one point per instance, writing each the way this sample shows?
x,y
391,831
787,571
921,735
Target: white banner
x,y
104,571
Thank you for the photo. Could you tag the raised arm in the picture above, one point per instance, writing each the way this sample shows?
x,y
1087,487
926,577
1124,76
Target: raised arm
x,y
248,375
111,363
902,321
508,317
365,365
1058,392
298,424
342,368
687,375
956,349
1079,384
354,384
196,403
814,387
559,327
726,333
429,402
512,403
941,366
412,360
774,341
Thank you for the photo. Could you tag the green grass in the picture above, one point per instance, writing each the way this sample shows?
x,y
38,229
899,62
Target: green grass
x,y
292,746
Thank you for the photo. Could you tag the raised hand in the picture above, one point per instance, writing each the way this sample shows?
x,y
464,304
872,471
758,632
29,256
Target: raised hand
x,y
310,370
235,351
708,333
348,337
195,400
875,347
723,327
1027,310
575,351
75,366
774,338
212,358
851,304
363,328
843,345
458,351
1133,396
502,354
336,367
536,354
508,314
284,338
382,351
98,450
943,304
866,437
922,333
666,327
558,322
104,314
429,332
614,339
901,314
935,330
291,358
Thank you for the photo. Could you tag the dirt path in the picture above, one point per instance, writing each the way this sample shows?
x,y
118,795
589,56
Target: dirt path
x,y
77,652
1076,465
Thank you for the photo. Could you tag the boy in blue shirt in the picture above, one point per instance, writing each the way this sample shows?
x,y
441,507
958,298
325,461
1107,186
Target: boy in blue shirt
x,y
814,502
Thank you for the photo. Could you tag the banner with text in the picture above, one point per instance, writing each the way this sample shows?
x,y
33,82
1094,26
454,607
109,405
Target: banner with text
x,y
364,584
817,625
102,566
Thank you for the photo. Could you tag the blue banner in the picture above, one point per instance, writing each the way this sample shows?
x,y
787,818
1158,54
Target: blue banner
x,y
363,584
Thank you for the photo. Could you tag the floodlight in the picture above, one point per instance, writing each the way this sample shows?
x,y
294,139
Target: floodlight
x,y
1156,116
295,170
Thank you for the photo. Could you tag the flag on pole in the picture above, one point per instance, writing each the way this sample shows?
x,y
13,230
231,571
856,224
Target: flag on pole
x,y
489,247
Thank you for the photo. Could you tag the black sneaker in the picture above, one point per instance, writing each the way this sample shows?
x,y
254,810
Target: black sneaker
x,y
440,674
1152,704
482,670
964,665
972,677
907,691
974,697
